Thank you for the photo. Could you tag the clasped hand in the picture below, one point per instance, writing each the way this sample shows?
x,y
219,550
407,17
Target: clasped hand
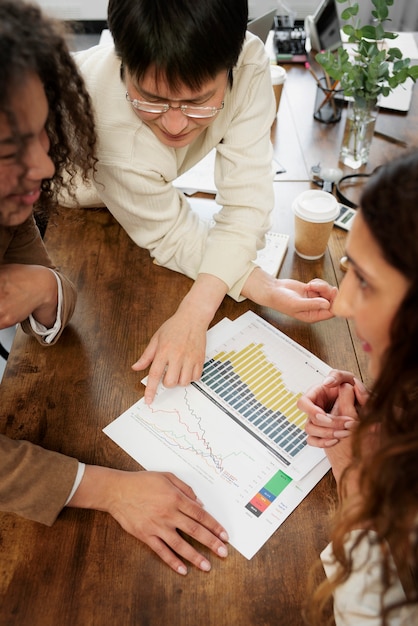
x,y
332,408
27,290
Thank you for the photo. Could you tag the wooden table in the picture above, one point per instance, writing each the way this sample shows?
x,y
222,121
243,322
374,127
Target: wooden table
x,y
85,571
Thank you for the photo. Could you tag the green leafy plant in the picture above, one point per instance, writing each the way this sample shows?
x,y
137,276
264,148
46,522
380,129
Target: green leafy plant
x,y
373,68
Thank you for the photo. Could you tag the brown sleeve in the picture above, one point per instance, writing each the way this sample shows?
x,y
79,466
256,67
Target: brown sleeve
x,y
35,483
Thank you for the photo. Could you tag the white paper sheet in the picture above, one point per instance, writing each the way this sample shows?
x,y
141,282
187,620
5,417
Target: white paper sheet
x,y
242,483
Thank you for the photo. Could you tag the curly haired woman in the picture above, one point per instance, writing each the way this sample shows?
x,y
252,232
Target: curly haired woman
x,y
46,132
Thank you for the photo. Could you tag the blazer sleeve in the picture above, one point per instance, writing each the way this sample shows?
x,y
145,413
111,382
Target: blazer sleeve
x,y
26,247
35,482
358,600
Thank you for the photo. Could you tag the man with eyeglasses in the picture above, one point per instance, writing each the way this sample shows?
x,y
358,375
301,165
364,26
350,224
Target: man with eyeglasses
x,y
185,77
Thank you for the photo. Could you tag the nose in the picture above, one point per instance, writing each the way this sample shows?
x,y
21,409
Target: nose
x,y
343,303
37,160
174,121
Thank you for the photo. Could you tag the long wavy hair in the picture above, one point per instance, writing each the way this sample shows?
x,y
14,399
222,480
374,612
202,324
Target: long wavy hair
x,y
388,477
32,43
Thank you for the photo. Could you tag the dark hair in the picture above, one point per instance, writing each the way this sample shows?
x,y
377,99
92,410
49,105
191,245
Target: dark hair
x,y
187,41
388,476
32,43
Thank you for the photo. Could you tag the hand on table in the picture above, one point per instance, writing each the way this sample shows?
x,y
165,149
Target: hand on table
x,y
153,507
307,302
25,290
176,351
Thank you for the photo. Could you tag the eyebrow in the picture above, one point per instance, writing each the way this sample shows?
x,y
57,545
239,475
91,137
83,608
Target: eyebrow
x,y
357,267
9,141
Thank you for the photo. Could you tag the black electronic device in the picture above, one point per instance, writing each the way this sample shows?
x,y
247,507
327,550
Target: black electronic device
x,y
323,27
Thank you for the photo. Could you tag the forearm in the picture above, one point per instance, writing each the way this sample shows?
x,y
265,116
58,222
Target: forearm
x,y
96,489
259,287
203,299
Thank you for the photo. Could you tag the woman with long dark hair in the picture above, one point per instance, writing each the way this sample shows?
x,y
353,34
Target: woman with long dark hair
x,y
371,438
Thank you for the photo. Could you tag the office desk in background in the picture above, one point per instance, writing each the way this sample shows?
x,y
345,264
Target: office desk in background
x,y
86,571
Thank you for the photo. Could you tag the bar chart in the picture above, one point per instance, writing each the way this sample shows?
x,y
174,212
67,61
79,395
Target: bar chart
x,y
245,376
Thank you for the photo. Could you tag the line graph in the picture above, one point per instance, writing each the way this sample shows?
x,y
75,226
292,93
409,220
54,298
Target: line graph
x,y
188,430
253,373
182,428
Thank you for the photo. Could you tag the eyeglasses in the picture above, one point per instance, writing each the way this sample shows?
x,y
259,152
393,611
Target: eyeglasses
x,y
158,108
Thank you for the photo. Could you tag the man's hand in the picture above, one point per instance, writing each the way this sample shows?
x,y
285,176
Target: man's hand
x,y
307,302
176,351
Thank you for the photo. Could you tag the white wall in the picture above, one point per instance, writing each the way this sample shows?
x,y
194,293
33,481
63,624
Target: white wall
x,y
76,9
404,13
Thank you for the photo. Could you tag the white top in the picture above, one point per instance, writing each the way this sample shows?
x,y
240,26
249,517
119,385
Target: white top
x,y
357,602
136,171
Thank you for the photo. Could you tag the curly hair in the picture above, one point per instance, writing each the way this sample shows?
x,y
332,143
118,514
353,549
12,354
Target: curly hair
x,y
388,478
32,43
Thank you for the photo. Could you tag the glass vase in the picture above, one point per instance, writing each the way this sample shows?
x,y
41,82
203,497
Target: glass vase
x,y
358,132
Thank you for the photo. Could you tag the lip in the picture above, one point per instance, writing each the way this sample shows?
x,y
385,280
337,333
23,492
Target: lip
x,y
181,137
366,347
28,199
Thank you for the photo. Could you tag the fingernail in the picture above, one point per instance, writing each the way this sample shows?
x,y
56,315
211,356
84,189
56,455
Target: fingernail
x,y
331,442
323,418
205,566
341,434
222,551
360,385
350,425
182,570
329,380
224,536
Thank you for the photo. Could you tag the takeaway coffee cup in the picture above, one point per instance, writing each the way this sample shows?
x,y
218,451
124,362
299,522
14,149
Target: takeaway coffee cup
x,y
315,212
278,76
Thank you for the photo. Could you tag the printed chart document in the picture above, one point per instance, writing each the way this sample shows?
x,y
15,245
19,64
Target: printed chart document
x,y
236,436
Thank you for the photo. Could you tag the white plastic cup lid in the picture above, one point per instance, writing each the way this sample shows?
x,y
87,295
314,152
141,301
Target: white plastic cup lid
x,y
315,205
278,74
